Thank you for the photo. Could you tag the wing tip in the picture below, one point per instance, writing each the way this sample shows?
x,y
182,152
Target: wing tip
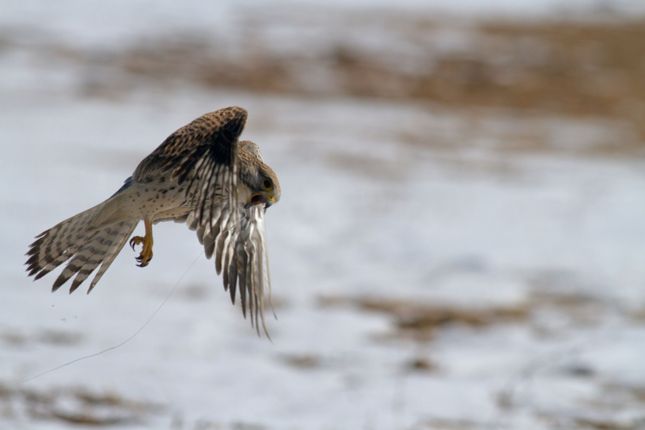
x,y
236,112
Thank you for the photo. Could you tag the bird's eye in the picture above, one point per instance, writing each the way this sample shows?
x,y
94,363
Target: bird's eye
x,y
267,184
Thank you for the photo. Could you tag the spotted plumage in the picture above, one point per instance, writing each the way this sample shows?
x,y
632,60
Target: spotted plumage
x,y
201,175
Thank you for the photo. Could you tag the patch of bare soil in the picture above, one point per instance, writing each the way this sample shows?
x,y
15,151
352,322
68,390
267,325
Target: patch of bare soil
x,y
420,320
574,68
421,365
16,337
302,361
592,423
73,406
444,424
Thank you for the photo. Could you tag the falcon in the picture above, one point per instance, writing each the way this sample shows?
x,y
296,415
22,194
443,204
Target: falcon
x,y
202,175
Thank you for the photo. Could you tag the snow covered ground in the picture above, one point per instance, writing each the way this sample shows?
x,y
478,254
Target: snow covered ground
x,y
431,270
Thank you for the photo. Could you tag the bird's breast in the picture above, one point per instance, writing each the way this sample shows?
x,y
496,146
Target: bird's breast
x,y
157,200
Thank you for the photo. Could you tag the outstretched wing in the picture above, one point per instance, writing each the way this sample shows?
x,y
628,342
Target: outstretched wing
x,y
250,265
236,237
210,139
203,158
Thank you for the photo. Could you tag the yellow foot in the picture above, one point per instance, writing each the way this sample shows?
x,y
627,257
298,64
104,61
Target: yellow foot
x,y
146,253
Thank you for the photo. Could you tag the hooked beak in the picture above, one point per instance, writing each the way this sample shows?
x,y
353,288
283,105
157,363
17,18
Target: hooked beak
x,y
270,201
260,198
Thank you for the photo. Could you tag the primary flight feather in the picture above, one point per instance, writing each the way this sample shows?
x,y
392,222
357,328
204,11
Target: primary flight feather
x,y
202,175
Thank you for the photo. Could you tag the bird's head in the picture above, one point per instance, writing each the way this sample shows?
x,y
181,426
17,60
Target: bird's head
x,y
258,176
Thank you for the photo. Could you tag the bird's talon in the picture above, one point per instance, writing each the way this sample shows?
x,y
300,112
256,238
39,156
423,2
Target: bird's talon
x,y
136,240
146,253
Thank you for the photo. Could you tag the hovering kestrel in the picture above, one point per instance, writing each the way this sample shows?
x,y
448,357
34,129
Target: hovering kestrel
x,y
202,175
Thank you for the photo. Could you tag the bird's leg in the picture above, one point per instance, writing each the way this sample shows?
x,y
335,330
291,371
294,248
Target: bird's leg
x,y
146,253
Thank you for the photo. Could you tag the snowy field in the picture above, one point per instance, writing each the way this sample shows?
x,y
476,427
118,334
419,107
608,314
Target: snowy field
x,y
434,265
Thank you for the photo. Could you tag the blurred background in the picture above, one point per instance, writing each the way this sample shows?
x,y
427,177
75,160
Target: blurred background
x,y
460,242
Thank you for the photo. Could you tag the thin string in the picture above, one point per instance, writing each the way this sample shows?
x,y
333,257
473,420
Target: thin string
x,y
123,342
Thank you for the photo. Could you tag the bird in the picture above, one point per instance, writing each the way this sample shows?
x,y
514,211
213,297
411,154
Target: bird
x,y
201,175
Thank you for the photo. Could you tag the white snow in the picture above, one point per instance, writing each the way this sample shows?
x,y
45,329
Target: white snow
x,y
363,214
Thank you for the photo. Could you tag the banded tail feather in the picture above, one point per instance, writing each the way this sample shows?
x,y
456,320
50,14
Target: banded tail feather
x,y
86,241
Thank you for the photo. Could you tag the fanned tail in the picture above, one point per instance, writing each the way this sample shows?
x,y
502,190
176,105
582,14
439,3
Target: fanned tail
x,y
86,240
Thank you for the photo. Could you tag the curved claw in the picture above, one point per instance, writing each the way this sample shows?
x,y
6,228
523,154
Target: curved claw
x,y
144,258
146,253
136,240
